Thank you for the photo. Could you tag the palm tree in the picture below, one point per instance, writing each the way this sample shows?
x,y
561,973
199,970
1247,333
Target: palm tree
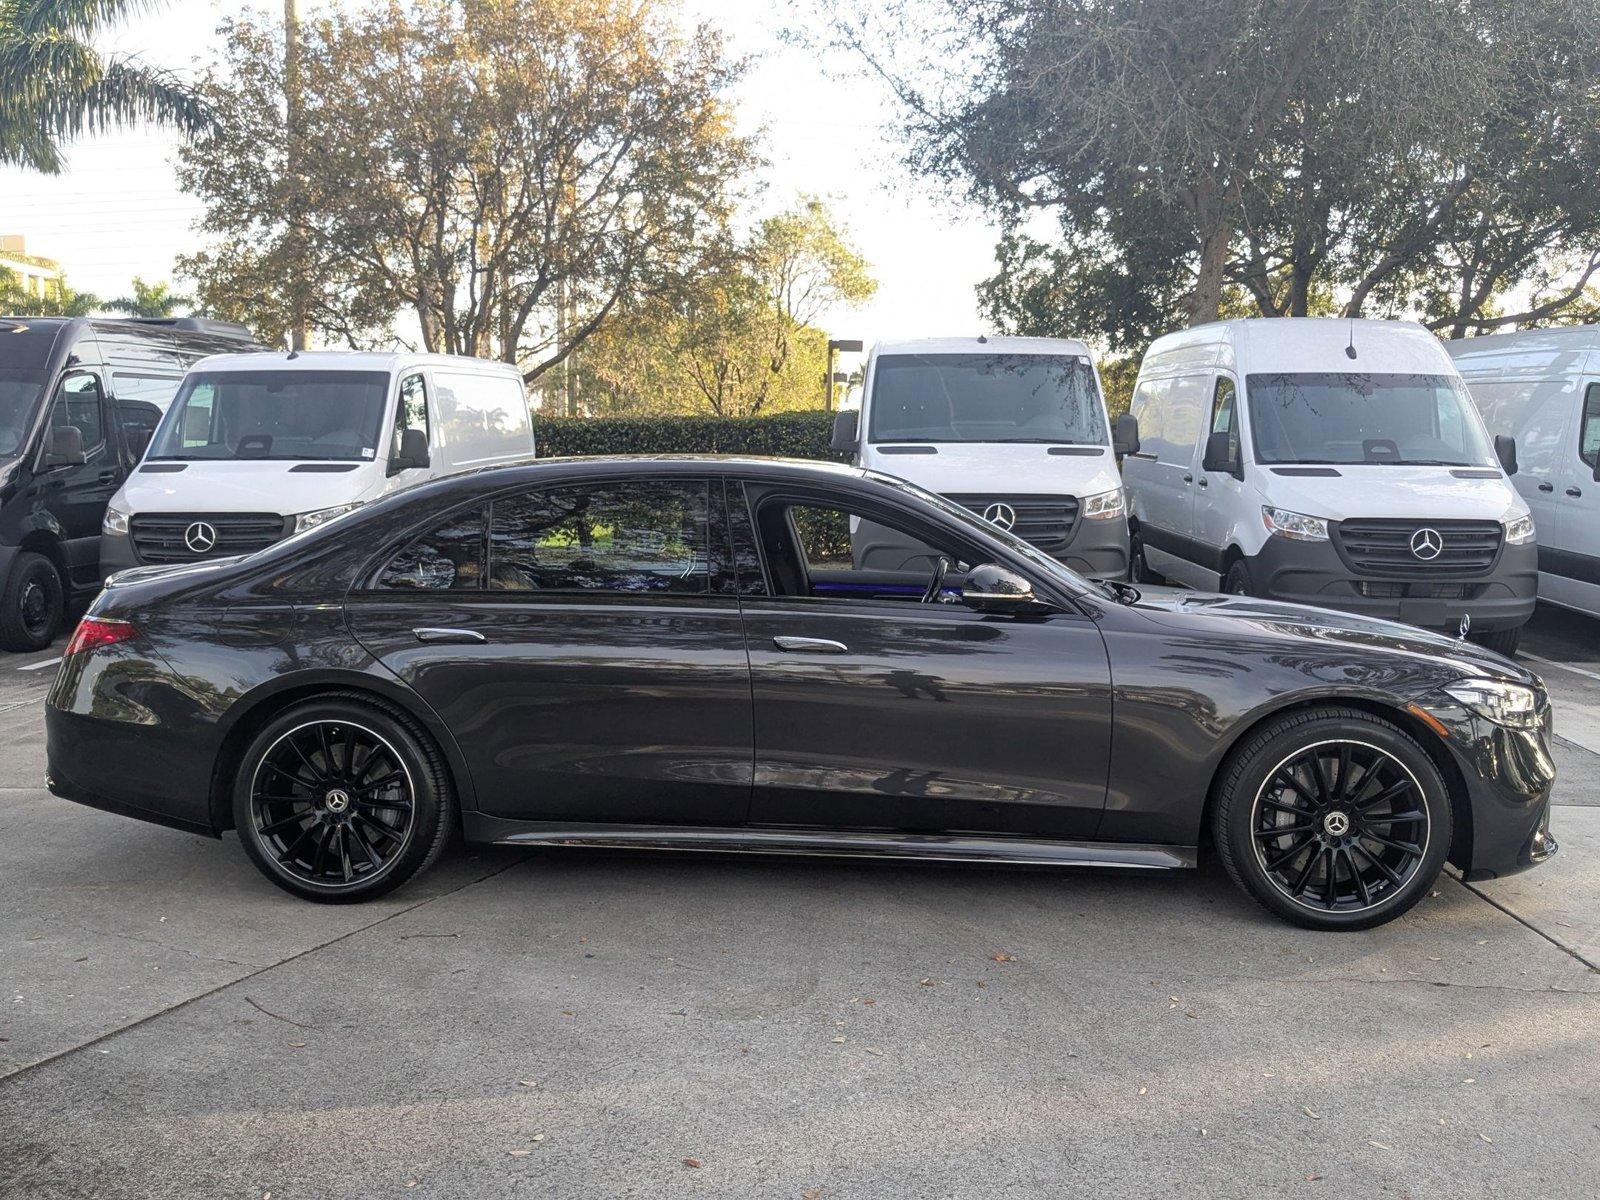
x,y
58,301
54,85
149,300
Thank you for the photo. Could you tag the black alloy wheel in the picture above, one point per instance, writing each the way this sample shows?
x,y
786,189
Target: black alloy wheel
x,y
341,801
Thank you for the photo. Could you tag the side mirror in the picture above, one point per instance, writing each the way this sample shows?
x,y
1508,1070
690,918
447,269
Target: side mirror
x,y
65,448
1595,474
993,589
846,431
1505,449
413,451
1221,455
1125,435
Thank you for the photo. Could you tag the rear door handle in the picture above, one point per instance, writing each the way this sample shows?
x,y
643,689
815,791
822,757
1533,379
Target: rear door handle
x,y
1203,482
1188,478
1572,491
447,637
805,645
1547,487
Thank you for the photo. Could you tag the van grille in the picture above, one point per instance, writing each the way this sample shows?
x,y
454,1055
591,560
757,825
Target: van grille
x,y
1044,521
160,537
1383,547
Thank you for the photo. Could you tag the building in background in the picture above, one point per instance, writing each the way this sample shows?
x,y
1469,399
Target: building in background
x,y
34,276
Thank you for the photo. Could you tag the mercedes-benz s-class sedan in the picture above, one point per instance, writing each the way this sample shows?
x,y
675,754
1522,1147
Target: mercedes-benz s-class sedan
x,y
786,657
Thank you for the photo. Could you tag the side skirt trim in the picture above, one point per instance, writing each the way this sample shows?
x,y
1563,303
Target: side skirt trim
x,y
831,843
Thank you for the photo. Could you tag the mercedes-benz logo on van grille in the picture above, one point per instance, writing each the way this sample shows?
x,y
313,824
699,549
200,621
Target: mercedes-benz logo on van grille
x,y
200,536
1001,514
1426,544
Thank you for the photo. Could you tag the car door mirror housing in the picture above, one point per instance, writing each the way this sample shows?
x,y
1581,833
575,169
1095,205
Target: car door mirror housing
x,y
413,451
65,448
1125,435
846,431
994,589
1221,455
1505,449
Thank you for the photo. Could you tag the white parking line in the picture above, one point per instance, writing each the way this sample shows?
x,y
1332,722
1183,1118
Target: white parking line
x,y
1595,675
50,662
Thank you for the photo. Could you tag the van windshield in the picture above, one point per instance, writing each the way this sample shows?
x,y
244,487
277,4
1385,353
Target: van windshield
x,y
985,398
1351,417
301,415
24,357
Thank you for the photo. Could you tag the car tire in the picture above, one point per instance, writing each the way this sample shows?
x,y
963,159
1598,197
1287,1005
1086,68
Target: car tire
x,y
1349,850
1237,581
1501,641
1138,566
32,604
342,799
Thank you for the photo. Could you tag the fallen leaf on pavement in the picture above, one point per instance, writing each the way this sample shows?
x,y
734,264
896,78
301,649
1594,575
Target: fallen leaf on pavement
x,y
1315,1116
1002,956
692,1163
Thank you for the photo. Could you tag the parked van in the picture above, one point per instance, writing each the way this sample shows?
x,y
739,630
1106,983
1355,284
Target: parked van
x,y
1014,429
256,447
1543,388
79,400
1338,463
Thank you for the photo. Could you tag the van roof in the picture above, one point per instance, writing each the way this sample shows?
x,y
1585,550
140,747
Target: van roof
x,y
1529,353
345,360
987,345
1301,344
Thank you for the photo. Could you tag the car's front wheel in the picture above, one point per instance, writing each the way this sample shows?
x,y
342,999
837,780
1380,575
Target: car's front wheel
x,y
342,799
1332,818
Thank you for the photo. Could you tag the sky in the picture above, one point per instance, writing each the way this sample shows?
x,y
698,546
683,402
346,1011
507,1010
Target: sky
x,y
117,211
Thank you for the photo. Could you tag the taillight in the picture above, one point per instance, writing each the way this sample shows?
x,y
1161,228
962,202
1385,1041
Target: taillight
x,y
94,632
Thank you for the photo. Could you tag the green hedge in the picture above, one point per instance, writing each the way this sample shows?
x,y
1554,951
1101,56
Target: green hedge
x,y
791,435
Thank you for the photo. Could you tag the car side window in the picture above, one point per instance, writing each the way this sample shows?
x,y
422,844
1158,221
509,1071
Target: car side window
x,y
448,558
1589,426
649,536
747,578
827,551
77,403
139,420
412,411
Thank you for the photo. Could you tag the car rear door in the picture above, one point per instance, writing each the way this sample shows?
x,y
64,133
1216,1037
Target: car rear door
x,y
582,642
875,711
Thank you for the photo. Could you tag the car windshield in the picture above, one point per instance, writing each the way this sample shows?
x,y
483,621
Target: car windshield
x,y
301,415
1351,417
986,398
24,358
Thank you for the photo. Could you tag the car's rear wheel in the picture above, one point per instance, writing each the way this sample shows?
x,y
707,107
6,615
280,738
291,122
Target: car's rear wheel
x,y
1332,818
342,799
32,603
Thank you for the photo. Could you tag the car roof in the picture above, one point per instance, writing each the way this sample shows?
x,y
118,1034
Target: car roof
x,y
346,360
982,345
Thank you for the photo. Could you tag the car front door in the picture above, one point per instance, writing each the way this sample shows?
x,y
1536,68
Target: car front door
x,y
75,494
875,710
583,644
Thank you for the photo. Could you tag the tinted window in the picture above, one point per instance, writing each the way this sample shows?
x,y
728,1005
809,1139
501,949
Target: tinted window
x,y
302,415
139,421
649,536
78,404
747,577
448,557
985,398
1589,427
482,416
24,352
1350,417
152,389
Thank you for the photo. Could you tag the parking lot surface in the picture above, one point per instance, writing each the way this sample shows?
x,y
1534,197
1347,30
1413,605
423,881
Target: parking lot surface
x,y
574,1024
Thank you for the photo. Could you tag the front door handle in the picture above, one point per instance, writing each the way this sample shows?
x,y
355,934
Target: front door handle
x,y
449,637
805,645
110,476
1573,491
1188,478
1547,487
1203,482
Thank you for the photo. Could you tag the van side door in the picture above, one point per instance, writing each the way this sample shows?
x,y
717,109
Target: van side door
x,y
1171,420
1219,495
1569,557
74,495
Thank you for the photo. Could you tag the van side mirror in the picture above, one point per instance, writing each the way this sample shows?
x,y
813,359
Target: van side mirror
x,y
413,451
65,448
1222,454
1505,449
1125,435
846,431
1595,474
994,589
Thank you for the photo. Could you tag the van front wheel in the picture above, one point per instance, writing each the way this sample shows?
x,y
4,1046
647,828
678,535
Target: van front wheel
x,y
32,603
1501,641
1237,580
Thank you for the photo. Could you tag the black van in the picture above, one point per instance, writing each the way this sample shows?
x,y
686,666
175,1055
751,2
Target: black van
x,y
79,400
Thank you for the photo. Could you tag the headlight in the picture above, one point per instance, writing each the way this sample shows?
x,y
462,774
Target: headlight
x,y
1104,506
1508,704
322,516
115,521
1519,529
1297,526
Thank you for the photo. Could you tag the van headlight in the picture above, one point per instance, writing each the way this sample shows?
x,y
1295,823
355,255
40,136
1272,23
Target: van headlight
x,y
115,521
1508,704
1519,529
1295,526
322,516
1104,506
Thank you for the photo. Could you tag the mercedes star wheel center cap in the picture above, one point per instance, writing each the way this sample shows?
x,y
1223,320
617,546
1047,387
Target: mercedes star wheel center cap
x,y
337,800
1336,824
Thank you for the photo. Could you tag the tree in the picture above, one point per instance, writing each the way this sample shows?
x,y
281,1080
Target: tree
x,y
149,300
57,301
54,85
508,174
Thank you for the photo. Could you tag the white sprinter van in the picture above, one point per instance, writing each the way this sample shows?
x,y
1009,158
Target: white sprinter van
x,y
1012,428
256,447
1542,386
1331,462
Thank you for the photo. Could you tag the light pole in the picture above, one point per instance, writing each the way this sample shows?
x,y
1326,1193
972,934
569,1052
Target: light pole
x,y
835,346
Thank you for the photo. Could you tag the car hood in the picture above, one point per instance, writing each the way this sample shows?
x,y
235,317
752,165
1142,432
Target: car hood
x,y
1010,468
244,486
1425,493
1324,625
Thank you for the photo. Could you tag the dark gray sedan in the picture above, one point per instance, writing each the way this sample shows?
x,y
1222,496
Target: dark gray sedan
x,y
758,655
